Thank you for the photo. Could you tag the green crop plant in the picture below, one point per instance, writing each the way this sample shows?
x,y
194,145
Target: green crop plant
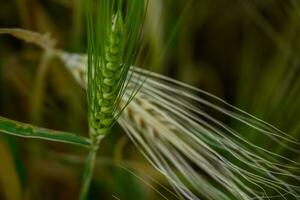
x,y
113,31
195,139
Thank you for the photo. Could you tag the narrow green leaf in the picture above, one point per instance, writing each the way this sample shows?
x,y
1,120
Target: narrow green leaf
x,y
28,131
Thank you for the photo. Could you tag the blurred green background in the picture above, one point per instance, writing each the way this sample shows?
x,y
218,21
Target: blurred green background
x,y
244,51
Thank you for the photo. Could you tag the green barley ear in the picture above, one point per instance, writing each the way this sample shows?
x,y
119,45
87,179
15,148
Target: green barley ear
x,y
113,32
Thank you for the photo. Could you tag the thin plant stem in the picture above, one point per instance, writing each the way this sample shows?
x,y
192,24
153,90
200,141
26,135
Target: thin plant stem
x,y
38,90
88,172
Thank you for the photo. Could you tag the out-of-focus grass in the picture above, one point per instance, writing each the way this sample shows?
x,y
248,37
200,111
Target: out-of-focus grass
x,y
9,178
270,87
246,52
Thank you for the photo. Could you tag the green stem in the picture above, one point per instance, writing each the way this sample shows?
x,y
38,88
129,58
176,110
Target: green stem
x,y
88,172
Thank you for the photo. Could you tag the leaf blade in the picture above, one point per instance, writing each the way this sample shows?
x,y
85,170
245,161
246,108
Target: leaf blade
x,y
24,130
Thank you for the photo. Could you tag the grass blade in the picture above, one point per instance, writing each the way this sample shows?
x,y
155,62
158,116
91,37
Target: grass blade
x,y
15,128
44,41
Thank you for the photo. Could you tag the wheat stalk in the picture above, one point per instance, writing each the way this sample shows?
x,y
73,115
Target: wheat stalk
x,y
173,125
179,132
113,31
